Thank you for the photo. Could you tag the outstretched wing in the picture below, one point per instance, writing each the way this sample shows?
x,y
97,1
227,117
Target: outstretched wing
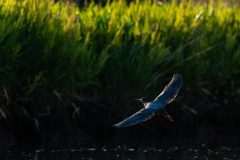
x,y
140,116
170,91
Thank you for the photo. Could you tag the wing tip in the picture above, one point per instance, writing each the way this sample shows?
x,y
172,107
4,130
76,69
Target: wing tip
x,y
178,76
118,125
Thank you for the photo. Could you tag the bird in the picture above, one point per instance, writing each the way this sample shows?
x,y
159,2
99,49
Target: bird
x,y
157,106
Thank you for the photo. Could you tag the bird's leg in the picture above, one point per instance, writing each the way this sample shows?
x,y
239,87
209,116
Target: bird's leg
x,y
168,117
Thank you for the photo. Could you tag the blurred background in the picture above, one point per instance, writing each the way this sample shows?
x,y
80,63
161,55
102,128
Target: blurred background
x,y
69,70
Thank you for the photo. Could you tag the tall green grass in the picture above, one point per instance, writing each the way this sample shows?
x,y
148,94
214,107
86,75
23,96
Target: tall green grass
x,y
114,53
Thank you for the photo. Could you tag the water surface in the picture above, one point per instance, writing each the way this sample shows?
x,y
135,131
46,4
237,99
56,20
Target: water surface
x,y
126,152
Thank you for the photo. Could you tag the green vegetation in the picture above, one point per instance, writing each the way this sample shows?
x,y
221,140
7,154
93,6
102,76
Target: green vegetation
x,y
52,52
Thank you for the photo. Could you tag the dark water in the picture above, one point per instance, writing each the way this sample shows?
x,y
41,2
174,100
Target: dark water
x,y
123,152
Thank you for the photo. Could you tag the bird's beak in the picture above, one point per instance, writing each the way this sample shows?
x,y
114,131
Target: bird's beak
x,y
138,100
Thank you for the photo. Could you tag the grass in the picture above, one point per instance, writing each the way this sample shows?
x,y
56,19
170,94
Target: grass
x,y
53,51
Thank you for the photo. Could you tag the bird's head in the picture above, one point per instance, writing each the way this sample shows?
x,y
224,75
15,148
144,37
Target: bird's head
x,y
143,100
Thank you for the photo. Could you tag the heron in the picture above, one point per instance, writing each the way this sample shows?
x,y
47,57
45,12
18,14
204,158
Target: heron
x,y
157,106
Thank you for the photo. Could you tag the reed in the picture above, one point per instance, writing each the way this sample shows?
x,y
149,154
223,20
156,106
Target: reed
x,y
114,53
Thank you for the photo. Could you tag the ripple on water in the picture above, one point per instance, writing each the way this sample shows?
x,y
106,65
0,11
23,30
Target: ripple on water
x,y
125,152
131,149
91,149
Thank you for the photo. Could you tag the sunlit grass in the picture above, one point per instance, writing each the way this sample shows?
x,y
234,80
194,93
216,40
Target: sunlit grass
x,y
117,52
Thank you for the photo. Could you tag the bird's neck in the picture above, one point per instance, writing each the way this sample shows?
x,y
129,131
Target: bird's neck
x,y
145,104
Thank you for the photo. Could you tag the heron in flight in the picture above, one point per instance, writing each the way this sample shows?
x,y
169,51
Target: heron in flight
x,y
156,106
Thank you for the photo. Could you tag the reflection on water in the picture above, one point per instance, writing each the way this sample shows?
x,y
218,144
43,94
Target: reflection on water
x,y
124,152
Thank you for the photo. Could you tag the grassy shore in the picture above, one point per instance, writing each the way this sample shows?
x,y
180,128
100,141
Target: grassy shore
x,y
54,54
